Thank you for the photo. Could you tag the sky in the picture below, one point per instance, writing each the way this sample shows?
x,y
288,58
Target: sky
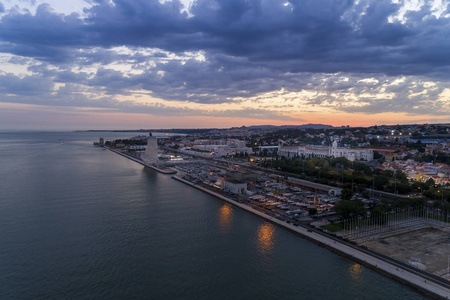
x,y
131,64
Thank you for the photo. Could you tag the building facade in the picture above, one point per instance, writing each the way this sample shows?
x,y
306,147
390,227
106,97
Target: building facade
x,y
324,151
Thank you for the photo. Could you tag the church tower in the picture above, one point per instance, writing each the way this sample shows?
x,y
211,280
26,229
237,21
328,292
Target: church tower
x,y
333,149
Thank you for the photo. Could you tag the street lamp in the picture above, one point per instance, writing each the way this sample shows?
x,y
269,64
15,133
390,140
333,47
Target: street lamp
x,y
303,160
395,182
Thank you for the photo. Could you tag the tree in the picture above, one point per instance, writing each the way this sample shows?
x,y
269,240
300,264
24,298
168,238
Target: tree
x,y
346,194
410,202
402,188
388,173
380,181
377,214
430,182
350,208
402,177
342,161
357,174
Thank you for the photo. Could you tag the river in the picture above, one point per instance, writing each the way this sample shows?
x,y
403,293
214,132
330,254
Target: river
x,y
80,222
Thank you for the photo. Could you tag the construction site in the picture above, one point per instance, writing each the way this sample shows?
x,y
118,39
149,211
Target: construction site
x,y
418,237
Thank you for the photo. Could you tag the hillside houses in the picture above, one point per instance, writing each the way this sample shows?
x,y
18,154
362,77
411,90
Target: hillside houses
x,y
439,172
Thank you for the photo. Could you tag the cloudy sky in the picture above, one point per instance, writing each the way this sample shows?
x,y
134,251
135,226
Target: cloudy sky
x,y
107,64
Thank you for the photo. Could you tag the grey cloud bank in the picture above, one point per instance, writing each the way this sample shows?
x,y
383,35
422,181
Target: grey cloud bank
x,y
222,51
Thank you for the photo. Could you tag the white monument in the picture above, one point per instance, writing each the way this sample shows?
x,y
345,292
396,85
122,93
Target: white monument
x,y
150,155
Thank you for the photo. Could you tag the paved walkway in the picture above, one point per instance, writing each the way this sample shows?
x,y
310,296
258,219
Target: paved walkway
x,y
376,263
161,170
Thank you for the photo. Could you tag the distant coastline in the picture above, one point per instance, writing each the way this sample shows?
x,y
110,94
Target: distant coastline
x,y
202,130
172,131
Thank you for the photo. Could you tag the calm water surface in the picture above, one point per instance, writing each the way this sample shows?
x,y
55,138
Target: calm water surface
x,y
79,222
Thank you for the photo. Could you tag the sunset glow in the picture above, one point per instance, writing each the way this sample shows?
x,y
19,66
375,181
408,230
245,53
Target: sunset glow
x,y
191,64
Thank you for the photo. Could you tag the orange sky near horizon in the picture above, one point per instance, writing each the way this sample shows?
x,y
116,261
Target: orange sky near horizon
x,y
360,64
45,117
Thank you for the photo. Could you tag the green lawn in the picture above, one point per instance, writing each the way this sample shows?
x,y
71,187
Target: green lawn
x,y
333,227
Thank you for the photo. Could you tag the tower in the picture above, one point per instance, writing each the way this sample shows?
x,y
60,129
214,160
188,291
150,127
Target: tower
x,y
150,154
333,149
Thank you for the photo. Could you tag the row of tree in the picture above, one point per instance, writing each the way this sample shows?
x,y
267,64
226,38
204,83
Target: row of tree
x,y
356,176
347,208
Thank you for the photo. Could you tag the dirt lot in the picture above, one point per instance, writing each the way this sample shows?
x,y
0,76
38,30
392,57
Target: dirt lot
x,y
427,248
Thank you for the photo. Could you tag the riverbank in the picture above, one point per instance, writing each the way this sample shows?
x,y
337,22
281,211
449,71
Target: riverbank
x,y
380,265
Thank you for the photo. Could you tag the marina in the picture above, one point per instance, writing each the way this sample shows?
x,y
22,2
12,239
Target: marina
x,y
426,283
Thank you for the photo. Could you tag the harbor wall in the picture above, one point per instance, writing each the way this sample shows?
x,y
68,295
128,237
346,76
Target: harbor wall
x,y
384,267
163,171
395,272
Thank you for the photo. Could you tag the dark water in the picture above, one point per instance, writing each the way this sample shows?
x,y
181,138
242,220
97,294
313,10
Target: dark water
x,y
81,222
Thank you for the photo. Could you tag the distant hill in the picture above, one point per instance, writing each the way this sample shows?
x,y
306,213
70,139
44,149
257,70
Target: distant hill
x,y
181,131
205,130
304,126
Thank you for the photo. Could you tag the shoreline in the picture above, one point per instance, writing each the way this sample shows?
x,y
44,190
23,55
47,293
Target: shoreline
x,y
381,266
386,268
163,171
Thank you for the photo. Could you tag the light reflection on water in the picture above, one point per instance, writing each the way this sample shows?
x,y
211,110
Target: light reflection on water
x,y
355,271
225,217
74,216
265,237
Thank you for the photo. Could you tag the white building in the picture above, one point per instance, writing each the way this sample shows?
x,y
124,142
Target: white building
x,y
136,147
324,151
351,154
235,187
222,150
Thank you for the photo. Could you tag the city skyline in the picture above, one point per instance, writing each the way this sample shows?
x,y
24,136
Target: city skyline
x,y
202,64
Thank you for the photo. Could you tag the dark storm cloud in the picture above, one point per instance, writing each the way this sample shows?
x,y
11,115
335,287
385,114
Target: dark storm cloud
x,y
337,34
411,95
250,46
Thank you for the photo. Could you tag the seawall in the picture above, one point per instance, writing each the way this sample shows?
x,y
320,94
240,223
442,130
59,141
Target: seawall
x,y
163,171
386,268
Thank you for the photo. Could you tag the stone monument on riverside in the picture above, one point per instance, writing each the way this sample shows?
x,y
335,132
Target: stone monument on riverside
x,y
150,155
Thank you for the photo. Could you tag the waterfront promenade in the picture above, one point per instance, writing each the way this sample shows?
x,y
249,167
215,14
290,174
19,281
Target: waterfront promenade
x,y
422,281
161,170
401,272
